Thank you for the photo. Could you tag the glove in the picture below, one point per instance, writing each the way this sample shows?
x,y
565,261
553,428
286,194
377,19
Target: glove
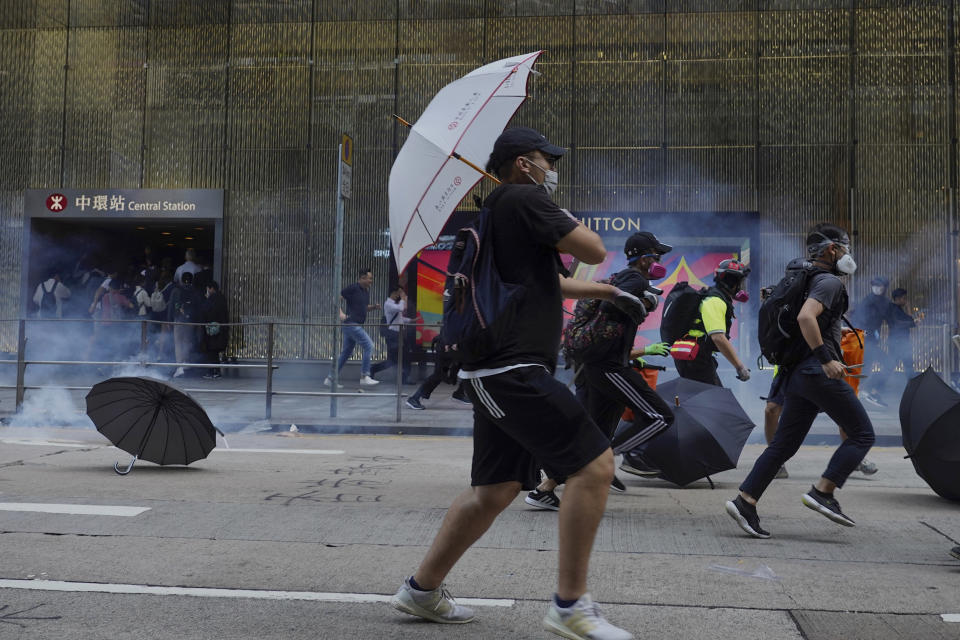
x,y
639,363
743,374
657,349
630,305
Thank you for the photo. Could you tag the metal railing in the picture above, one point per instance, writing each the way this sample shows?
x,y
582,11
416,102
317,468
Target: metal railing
x,y
142,360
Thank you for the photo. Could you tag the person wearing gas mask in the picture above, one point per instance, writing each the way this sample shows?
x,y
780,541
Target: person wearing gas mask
x,y
605,381
815,384
711,327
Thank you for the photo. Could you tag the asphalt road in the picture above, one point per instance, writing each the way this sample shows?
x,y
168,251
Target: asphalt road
x,y
305,536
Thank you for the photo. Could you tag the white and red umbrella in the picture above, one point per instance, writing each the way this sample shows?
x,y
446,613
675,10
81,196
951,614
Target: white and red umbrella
x,y
438,164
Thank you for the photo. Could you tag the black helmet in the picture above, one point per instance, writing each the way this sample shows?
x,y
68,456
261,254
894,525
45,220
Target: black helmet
x,y
730,273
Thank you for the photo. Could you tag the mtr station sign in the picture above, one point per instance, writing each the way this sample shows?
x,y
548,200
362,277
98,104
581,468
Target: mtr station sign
x,y
124,203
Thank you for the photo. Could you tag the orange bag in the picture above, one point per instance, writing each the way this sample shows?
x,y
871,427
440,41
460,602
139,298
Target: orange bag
x,y
650,375
852,348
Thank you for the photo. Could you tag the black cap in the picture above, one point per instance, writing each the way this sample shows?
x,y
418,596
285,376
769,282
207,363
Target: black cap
x,y
517,141
898,292
880,281
641,243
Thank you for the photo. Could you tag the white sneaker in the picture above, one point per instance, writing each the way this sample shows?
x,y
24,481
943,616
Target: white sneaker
x,y
582,621
178,372
367,381
437,605
867,468
327,382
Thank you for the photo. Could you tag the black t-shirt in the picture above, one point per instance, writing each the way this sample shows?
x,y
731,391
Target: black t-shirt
x,y
526,226
616,352
358,299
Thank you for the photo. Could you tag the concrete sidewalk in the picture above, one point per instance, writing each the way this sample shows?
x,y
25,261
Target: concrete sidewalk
x,y
303,523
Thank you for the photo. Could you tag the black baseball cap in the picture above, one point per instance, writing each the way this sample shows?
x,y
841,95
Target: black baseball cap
x,y
517,141
642,243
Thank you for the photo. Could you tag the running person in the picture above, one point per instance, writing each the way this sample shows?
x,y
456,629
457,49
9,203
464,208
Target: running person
x,y
522,414
606,383
712,326
815,384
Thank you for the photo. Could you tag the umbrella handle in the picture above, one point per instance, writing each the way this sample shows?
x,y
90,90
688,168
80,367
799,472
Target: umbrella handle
x,y
116,467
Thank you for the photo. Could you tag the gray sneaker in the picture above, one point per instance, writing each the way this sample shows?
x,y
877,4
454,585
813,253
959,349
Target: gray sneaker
x,y
782,473
582,621
867,468
437,605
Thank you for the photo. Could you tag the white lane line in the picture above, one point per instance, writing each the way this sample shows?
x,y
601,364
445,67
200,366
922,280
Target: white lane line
x,y
317,452
950,617
200,592
48,443
74,509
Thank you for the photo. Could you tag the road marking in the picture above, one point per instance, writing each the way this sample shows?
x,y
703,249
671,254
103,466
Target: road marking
x,y
201,592
48,443
317,452
950,617
74,509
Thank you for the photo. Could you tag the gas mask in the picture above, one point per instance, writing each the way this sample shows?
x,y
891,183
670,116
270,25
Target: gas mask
x,y
655,270
741,296
877,291
846,265
550,178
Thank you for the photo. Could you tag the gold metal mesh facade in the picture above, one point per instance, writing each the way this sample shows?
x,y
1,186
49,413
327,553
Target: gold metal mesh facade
x,y
804,111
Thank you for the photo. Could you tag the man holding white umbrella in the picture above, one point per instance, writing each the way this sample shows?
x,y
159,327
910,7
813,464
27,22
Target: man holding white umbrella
x,y
523,417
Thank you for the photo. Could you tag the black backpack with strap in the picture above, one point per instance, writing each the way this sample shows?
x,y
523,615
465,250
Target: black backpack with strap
x,y
778,331
680,311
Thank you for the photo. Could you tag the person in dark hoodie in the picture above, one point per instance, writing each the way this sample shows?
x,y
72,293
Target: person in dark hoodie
x,y
216,333
870,314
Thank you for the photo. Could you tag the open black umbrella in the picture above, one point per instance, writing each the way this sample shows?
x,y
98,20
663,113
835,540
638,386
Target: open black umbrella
x,y
706,437
151,420
930,422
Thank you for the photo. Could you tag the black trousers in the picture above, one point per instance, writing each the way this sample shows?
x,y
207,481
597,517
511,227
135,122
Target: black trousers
x,y
609,389
807,394
703,368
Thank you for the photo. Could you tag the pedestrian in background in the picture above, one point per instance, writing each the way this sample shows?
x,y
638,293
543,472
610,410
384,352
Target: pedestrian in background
x,y
357,298
216,332
185,310
444,370
870,315
394,308
50,295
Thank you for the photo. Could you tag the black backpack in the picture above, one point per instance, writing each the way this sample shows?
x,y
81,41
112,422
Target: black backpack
x,y
680,311
590,330
479,308
48,302
778,331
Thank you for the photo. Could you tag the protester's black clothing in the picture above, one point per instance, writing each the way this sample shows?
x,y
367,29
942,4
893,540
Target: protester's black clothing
x,y
899,349
186,305
215,310
525,418
807,394
202,278
900,323
702,369
611,389
616,353
392,339
871,313
358,299
444,370
526,226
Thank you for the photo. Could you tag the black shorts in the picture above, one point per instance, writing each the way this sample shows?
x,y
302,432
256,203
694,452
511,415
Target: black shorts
x,y
524,420
777,393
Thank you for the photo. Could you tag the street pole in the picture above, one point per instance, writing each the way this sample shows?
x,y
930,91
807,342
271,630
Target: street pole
x,y
337,279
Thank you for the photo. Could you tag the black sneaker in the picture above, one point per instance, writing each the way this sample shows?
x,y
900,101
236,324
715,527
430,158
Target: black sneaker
x,y
617,486
461,397
955,552
637,466
543,500
414,403
827,506
746,516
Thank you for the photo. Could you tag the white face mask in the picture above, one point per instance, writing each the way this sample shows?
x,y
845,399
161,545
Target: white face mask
x,y
550,178
846,265
877,291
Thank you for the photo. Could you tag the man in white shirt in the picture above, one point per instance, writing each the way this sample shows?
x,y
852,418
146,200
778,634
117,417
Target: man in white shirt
x,y
49,297
393,311
190,265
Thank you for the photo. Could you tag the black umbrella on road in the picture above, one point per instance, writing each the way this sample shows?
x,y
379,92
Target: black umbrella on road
x,y
706,437
151,421
930,422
